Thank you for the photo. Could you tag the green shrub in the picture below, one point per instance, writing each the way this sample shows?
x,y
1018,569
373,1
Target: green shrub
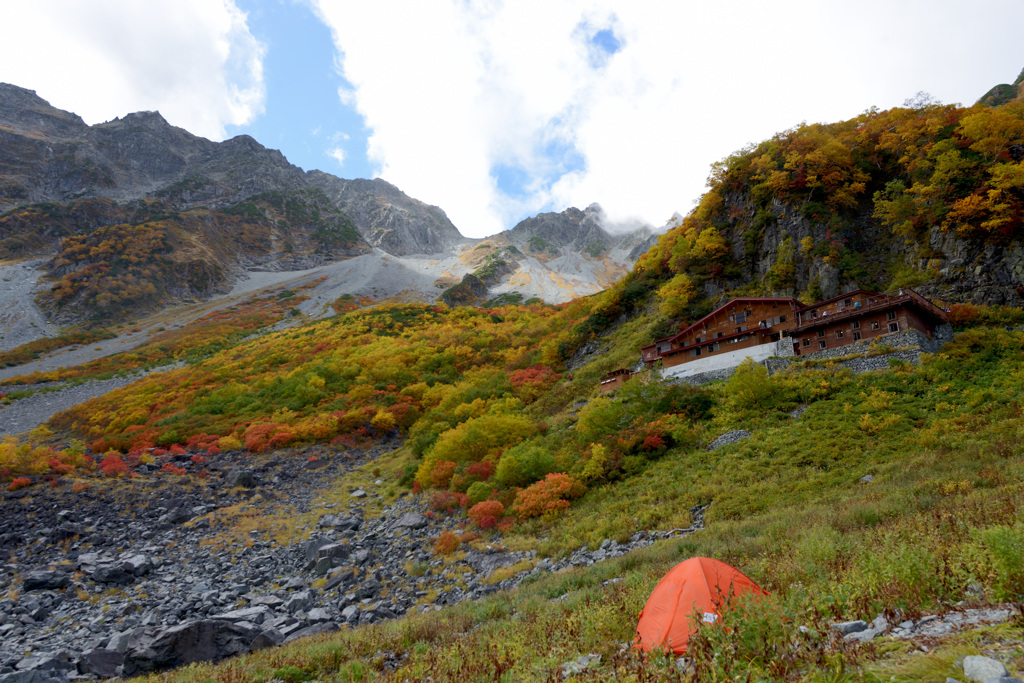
x,y
524,464
479,492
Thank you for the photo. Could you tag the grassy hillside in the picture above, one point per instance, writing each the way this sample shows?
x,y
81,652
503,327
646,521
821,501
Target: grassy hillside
x,y
941,523
502,421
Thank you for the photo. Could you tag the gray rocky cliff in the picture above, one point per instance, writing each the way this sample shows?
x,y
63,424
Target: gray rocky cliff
x,y
388,218
865,254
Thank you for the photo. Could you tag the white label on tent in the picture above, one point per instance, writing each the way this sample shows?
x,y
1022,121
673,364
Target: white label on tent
x,y
710,618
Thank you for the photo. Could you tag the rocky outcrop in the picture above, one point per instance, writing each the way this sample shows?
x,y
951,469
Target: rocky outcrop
x,y
388,218
577,230
948,267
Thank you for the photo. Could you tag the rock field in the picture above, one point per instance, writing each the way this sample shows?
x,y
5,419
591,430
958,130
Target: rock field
x,y
118,580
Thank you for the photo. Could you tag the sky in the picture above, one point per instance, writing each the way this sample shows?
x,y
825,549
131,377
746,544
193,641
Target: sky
x,y
496,110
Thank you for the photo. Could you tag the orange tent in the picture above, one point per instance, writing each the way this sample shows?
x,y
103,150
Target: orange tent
x,y
699,585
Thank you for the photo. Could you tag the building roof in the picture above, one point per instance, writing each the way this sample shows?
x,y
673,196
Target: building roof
x,y
731,302
875,302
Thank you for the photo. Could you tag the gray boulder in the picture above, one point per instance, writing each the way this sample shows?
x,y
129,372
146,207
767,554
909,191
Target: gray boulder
x,y
34,581
207,640
978,668
411,520
102,663
241,477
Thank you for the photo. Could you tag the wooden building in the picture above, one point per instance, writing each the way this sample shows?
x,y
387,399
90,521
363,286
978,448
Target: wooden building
x,y
739,324
863,315
615,379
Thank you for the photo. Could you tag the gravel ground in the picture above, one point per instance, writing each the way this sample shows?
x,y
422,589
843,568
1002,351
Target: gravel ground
x,y
21,321
28,413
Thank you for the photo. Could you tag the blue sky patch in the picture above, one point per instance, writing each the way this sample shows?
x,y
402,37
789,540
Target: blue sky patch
x,y
304,117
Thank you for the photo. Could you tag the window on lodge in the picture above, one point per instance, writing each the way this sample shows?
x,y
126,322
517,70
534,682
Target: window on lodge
x,y
807,341
741,317
891,315
894,327
855,325
874,325
821,333
839,334
856,336
822,344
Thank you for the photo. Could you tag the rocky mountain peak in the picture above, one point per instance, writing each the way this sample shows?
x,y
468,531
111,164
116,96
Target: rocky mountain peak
x,y
573,228
22,111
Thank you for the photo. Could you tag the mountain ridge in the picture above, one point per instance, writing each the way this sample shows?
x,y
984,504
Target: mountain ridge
x,y
62,180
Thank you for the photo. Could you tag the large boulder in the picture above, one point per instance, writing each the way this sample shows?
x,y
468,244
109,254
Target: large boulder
x,y
43,580
208,640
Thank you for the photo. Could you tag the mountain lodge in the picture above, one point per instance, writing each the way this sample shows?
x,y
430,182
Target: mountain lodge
x,y
761,327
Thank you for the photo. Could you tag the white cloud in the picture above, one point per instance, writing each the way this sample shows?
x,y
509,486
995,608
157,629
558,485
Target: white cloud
x,y
193,60
338,154
450,89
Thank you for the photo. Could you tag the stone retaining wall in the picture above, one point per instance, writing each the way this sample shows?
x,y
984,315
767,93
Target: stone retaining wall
x,y
907,348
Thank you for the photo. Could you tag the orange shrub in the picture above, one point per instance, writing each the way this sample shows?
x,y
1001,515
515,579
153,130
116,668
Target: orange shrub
x,y
80,486
267,435
176,449
446,544
548,496
441,474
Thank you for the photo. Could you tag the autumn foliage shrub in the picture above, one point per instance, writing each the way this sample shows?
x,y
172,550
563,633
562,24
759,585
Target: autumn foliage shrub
x,y
479,492
531,382
548,497
446,544
967,315
524,464
18,483
266,436
448,501
480,471
486,513
113,465
441,474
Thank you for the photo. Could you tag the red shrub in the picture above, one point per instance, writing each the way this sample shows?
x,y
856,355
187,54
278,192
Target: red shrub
x,y
448,501
176,449
198,459
19,483
416,487
481,471
213,450
169,468
159,451
80,486
58,467
653,443
486,513
113,465
202,442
